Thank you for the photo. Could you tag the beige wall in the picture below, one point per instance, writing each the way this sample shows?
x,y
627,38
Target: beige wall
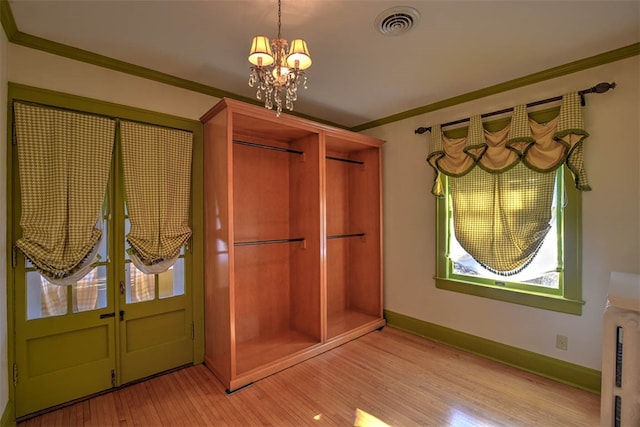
x,y
4,380
64,75
611,218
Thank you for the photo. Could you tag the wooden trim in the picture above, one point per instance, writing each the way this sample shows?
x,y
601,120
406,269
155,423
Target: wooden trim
x,y
555,369
8,418
7,20
531,299
11,236
551,73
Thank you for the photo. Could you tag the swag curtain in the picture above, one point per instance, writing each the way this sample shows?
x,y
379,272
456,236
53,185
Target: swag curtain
x,y
502,183
157,177
64,160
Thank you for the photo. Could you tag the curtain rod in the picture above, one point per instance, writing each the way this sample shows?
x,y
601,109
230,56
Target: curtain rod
x,y
599,88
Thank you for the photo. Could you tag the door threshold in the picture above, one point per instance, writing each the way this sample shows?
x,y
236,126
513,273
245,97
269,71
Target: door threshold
x,y
100,393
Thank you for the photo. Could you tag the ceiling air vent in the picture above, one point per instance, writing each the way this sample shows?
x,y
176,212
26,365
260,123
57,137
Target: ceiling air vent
x,y
397,20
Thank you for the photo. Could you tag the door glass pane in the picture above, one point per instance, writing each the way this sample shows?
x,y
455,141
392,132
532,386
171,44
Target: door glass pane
x,y
171,282
90,293
127,229
139,286
102,251
43,298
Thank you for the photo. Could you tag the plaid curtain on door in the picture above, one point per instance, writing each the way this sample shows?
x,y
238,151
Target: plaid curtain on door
x,y
157,179
63,161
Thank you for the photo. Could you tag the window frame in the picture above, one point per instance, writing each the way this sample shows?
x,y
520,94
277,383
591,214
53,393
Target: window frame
x,y
568,299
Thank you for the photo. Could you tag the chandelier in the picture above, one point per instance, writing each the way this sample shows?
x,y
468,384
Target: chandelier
x,y
277,69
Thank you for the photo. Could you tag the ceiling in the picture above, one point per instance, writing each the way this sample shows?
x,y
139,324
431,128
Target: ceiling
x,y
358,75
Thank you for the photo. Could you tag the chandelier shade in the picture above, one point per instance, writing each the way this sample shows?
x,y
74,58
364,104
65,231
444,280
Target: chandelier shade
x,y
261,51
277,69
299,55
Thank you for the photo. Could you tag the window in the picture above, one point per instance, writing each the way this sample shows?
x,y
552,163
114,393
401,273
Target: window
x,y
548,276
541,273
552,290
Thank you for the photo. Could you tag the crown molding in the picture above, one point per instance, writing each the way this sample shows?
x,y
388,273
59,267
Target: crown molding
x,y
14,35
571,67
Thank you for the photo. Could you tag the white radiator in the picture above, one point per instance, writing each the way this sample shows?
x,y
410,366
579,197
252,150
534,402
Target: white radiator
x,y
620,398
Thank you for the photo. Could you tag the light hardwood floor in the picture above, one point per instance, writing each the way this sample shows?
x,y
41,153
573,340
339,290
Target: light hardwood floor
x,y
396,377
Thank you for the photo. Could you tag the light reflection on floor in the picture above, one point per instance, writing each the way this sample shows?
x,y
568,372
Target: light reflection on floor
x,y
460,418
365,419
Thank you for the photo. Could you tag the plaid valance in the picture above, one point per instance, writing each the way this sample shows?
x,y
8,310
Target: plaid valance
x,y
541,147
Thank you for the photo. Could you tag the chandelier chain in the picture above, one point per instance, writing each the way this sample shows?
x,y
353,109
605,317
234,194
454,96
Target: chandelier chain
x,y
279,17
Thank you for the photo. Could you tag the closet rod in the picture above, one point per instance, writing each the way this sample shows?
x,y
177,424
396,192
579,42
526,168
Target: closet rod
x,y
358,162
340,236
267,147
599,88
268,242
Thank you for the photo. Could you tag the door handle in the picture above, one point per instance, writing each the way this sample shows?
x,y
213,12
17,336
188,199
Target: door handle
x,y
106,315
121,314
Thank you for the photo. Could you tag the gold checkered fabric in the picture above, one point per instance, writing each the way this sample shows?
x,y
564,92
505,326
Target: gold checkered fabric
x,y
157,178
520,137
571,132
542,147
475,144
142,285
502,219
436,151
86,292
501,208
64,159
53,299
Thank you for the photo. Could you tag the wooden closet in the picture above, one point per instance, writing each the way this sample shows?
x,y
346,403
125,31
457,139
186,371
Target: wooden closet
x,y
293,250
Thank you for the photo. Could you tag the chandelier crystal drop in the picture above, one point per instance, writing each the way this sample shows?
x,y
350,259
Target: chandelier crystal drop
x,y
278,69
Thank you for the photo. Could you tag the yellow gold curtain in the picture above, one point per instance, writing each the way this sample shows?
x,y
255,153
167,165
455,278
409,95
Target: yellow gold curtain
x,y
542,147
157,178
63,160
502,183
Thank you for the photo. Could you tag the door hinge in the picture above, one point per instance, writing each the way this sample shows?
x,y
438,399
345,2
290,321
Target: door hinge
x,y
193,331
113,378
14,256
15,374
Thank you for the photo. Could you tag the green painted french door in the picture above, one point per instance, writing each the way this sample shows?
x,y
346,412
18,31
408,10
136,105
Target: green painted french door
x,y
78,340
65,336
114,326
154,321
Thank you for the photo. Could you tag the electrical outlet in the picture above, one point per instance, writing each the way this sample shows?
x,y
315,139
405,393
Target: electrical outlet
x,y
562,342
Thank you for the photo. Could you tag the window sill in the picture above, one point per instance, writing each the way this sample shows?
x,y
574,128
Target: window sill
x,y
515,296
